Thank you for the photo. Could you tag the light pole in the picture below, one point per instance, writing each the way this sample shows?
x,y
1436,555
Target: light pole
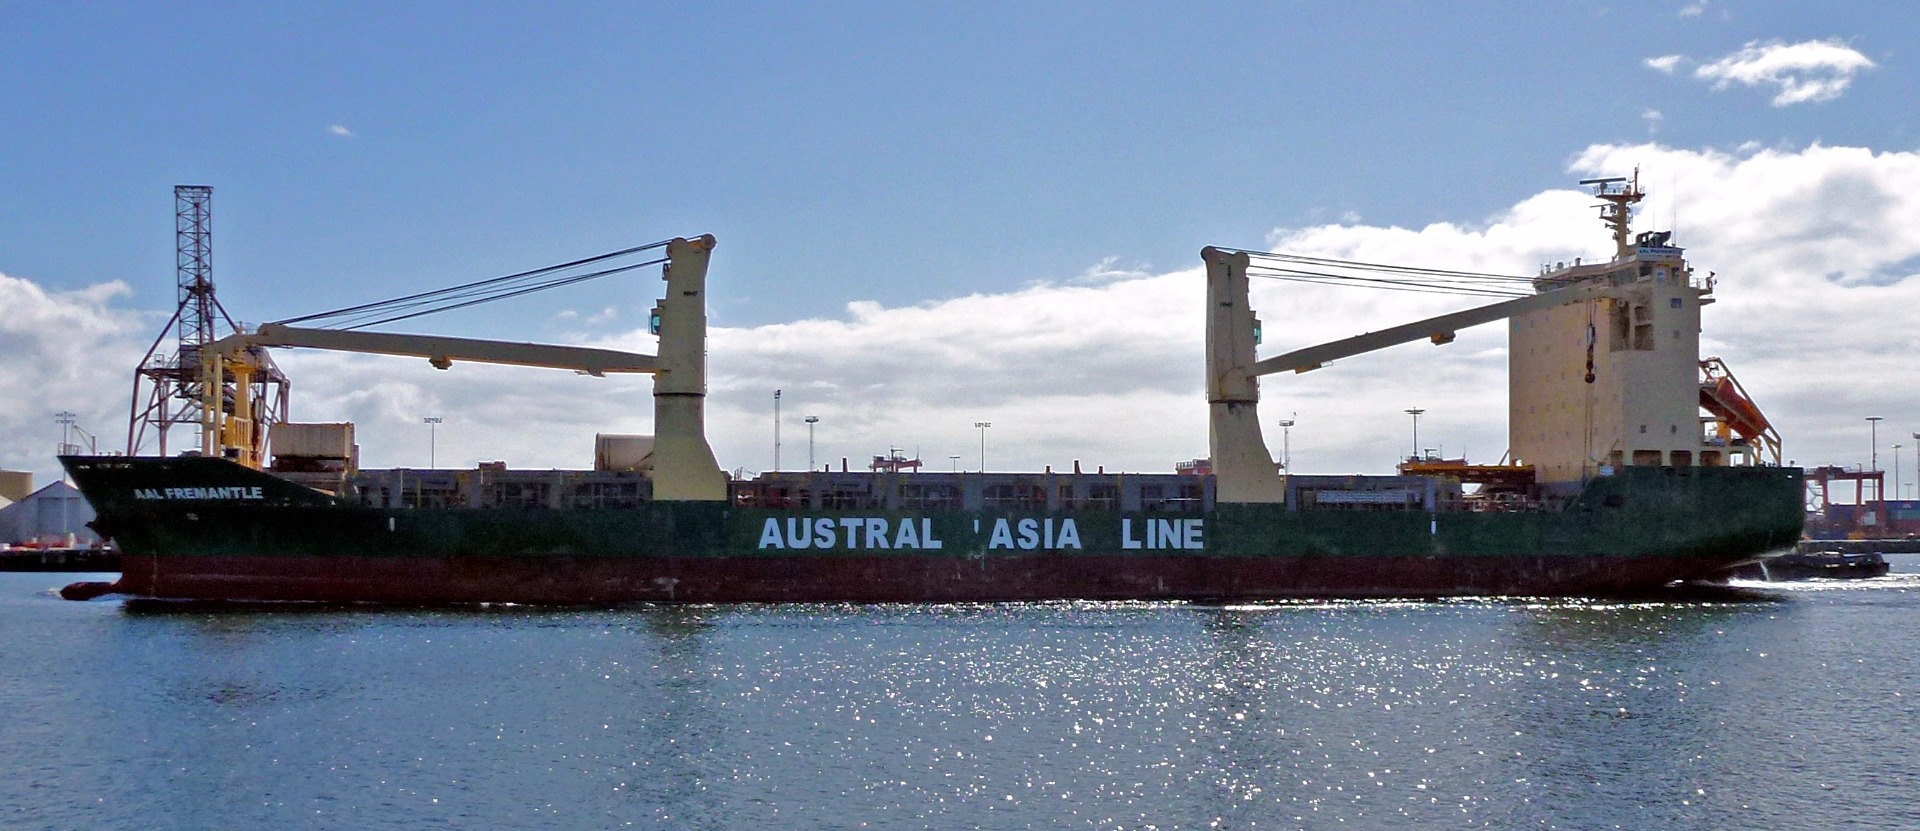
x,y
433,441
1896,469
1415,412
983,425
811,420
776,431
1873,454
66,431
1916,464
956,461
1286,442
1873,441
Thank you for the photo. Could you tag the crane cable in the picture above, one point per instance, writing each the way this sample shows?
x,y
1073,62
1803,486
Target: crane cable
x,y
477,292
1328,271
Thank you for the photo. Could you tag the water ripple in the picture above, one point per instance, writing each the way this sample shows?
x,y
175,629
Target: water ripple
x,y
1786,705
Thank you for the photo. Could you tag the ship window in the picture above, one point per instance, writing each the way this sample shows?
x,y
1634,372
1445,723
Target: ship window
x,y
1646,457
1683,458
1619,328
1711,458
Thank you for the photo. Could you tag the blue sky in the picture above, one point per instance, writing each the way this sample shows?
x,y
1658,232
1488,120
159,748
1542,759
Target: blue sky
x,y
882,151
897,154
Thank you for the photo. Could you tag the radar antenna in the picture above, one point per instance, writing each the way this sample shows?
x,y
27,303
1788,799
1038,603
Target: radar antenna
x,y
1620,194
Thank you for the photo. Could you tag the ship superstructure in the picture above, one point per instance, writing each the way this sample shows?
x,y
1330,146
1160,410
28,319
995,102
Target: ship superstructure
x,y
1617,379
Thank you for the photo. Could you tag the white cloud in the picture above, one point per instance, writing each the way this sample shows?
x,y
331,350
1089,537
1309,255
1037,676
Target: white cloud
x,y
71,351
1653,119
1817,252
1108,270
1665,63
1814,70
340,131
1693,9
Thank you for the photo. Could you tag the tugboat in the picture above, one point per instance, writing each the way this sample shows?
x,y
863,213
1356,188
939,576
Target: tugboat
x,y
1819,560
1827,565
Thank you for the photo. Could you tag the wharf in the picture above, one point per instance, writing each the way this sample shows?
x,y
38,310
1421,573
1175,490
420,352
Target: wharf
x,y
60,559
1899,546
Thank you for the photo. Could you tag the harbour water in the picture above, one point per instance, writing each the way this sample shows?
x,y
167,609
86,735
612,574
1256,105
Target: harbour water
x,y
1794,707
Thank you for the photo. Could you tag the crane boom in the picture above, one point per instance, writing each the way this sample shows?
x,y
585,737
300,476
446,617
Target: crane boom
x,y
442,351
1243,468
684,468
1437,329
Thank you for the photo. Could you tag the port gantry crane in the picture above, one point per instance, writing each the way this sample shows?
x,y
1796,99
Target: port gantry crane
x,y
684,467
166,390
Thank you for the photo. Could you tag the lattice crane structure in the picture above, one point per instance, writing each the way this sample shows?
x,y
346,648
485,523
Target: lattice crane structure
x,y
168,386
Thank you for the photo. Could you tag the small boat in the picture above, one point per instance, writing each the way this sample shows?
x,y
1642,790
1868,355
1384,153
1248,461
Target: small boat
x,y
1816,565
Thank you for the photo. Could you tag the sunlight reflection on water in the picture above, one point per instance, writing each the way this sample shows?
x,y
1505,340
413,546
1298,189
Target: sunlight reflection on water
x,y
1459,713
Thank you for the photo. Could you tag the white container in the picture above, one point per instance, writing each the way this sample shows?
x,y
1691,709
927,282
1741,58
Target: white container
x,y
612,451
314,440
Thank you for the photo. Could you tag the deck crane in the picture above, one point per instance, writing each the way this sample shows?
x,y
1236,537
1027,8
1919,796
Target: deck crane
x,y
1633,320
684,467
1242,466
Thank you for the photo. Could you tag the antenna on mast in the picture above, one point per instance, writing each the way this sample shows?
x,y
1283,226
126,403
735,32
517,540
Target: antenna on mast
x,y
1620,194
1673,209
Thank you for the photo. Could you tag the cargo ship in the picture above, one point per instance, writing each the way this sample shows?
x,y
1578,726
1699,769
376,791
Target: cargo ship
x,y
1632,465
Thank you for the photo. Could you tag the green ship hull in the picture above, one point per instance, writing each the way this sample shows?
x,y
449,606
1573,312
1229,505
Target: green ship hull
x,y
203,528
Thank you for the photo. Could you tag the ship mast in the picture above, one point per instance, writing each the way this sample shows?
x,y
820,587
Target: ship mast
x,y
1620,194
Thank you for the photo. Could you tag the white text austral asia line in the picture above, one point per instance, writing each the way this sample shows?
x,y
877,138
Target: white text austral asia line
x,y
1008,533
